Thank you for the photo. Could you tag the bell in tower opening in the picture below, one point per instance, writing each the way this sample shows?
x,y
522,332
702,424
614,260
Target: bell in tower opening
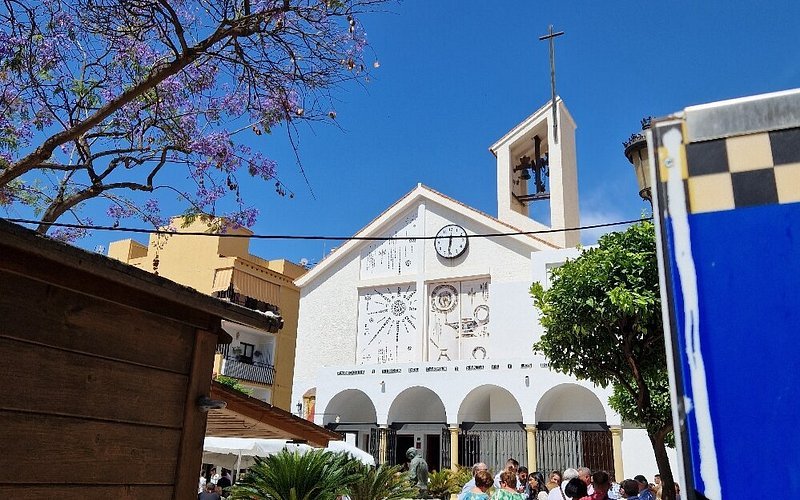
x,y
533,182
537,179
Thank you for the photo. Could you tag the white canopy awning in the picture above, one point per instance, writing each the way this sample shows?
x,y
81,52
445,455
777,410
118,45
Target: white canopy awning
x,y
227,451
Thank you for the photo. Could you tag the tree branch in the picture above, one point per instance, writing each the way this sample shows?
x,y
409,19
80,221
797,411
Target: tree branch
x,y
45,151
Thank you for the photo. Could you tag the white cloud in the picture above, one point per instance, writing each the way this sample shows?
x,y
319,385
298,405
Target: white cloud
x,y
590,236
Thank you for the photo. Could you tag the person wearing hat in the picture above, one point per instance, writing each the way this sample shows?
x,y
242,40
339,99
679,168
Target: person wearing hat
x,y
644,488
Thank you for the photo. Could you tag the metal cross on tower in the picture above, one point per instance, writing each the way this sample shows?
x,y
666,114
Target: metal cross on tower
x,y
551,36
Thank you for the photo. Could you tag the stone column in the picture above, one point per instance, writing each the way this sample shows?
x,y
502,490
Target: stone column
x,y
530,435
616,443
454,446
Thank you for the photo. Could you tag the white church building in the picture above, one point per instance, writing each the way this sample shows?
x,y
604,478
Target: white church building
x,y
424,340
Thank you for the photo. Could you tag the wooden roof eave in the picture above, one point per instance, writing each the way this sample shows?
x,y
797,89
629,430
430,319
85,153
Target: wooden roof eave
x,y
245,416
31,254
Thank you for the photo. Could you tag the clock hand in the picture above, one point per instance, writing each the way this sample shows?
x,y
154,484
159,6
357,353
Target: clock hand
x,y
449,242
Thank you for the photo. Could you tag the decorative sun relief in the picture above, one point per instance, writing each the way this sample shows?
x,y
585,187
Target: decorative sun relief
x,y
387,325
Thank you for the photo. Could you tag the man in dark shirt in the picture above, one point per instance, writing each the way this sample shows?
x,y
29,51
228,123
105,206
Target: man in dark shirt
x,y
225,481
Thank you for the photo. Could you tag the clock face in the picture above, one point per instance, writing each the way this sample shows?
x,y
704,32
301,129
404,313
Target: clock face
x,y
387,325
451,241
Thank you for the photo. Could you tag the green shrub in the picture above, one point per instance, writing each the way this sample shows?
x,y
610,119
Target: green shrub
x,y
383,483
443,483
289,475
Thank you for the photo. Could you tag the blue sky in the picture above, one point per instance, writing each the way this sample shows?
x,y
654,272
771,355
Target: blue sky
x,y
454,76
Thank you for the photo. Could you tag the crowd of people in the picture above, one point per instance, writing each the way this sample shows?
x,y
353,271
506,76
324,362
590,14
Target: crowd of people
x,y
514,482
213,486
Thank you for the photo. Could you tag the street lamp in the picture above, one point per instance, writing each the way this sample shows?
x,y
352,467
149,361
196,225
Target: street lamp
x,y
636,152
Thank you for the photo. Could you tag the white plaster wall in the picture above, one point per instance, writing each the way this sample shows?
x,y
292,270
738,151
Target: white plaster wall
x,y
326,326
514,320
638,456
501,258
569,204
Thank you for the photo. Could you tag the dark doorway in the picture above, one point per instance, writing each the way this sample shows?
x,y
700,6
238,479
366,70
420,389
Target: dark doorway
x,y
404,442
433,451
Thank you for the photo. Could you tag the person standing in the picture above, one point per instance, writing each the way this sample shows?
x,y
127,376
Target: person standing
x,y
483,481
201,485
511,465
557,493
553,480
575,489
214,475
630,489
601,483
585,475
209,493
480,466
508,487
522,478
535,489
644,488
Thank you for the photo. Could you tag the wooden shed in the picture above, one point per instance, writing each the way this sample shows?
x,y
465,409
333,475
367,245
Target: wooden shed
x,y
105,365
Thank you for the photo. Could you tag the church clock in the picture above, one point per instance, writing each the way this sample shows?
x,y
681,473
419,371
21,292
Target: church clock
x,y
387,325
451,241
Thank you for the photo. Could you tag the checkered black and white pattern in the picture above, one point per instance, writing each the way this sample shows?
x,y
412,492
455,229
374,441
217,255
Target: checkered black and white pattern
x,y
742,171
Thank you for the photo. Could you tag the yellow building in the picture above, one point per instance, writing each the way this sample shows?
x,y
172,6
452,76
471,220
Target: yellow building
x,y
222,266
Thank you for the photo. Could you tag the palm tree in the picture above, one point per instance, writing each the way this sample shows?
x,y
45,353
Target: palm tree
x,y
383,483
290,475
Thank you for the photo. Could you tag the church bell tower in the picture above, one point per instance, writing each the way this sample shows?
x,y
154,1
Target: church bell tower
x,y
537,178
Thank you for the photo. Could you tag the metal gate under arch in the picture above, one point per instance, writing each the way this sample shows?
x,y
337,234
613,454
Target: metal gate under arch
x,y
388,437
492,446
562,449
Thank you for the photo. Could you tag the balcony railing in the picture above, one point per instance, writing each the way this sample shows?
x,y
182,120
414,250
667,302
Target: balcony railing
x,y
244,368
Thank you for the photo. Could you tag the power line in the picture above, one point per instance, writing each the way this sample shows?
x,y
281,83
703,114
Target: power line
x,y
313,237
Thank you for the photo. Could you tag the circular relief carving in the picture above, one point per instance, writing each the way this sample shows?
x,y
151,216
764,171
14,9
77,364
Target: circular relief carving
x,y
481,314
479,353
398,307
444,298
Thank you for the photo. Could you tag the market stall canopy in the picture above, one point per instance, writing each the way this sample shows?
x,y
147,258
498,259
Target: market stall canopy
x,y
228,452
247,417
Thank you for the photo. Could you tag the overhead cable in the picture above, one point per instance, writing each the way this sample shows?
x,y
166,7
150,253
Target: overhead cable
x,y
314,237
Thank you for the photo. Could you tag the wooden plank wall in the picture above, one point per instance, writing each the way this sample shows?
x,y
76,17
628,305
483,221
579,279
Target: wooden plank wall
x,y
93,396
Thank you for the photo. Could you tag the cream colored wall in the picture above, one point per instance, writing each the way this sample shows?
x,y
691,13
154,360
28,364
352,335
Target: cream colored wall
x,y
126,250
285,347
192,261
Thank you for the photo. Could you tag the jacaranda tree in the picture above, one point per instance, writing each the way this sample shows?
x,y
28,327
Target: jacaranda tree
x,y
602,321
101,98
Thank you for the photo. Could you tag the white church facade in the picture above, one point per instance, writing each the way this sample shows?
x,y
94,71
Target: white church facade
x,y
425,339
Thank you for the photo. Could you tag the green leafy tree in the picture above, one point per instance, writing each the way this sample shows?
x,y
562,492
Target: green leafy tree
x,y
602,321
290,475
382,483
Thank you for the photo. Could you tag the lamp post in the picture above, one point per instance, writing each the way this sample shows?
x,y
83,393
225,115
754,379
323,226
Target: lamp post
x,y
636,152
